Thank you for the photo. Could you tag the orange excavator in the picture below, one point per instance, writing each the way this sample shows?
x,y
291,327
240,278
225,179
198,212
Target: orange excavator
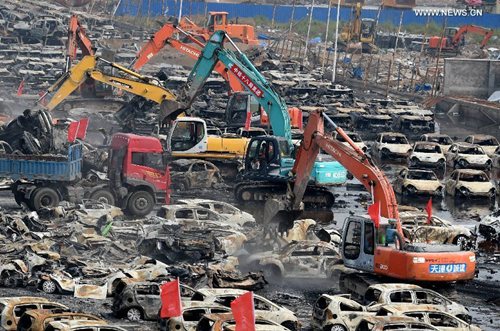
x,y
365,244
454,38
77,38
166,36
218,21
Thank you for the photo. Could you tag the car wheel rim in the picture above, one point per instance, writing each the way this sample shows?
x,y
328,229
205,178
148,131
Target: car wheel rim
x,y
49,287
134,314
461,242
337,328
141,203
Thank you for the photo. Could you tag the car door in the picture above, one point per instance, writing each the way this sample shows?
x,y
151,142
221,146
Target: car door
x,y
304,260
445,322
148,297
198,175
191,316
398,183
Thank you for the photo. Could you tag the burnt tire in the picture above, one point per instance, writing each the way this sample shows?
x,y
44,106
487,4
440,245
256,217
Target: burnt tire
x,y
290,325
104,196
49,286
140,203
44,197
461,241
134,314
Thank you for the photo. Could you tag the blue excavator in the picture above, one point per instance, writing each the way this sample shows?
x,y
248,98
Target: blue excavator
x,y
269,158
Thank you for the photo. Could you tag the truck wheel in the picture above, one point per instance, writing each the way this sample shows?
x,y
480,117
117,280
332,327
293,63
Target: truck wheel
x,y
104,196
140,203
44,197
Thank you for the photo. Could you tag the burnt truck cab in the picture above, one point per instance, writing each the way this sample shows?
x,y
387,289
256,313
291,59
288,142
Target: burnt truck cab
x,y
137,172
383,251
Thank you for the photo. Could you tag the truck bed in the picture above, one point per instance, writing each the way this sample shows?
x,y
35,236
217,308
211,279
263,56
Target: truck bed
x,y
43,167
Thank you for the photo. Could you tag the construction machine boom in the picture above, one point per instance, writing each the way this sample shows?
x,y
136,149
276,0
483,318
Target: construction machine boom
x,y
454,38
364,244
77,38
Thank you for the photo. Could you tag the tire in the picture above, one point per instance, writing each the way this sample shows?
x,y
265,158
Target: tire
x,y
290,325
184,185
336,327
49,287
44,197
409,190
134,314
103,195
140,203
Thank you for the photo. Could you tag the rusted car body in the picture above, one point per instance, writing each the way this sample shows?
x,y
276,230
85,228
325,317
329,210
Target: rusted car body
x,y
263,307
225,321
11,309
298,259
467,156
467,183
383,323
141,300
429,314
38,320
233,214
438,231
489,227
191,174
195,215
192,312
414,125
417,182
77,325
439,138
426,154
391,145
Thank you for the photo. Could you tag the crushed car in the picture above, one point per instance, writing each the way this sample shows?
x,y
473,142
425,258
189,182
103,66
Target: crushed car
x,y
233,214
14,307
191,174
426,155
467,156
410,182
196,214
437,230
489,227
37,320
226,322
262,306
192,312
391,145
298,259
468,183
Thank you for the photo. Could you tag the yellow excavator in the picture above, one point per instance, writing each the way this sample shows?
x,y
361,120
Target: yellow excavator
x,y
215,147
359,33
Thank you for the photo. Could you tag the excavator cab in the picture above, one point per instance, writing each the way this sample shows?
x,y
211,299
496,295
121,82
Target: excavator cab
x,y
188,135
216,21
266,155
358,243
367,30
237,108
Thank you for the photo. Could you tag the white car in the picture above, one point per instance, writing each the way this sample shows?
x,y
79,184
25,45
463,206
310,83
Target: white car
x,y
467,156
233,214
427,154
356,139
338,312
488,143
263,307
442,139
192,312
416,182
392,144
466,183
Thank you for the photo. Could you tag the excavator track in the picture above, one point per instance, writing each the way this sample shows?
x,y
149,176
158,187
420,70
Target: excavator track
x,y
261,191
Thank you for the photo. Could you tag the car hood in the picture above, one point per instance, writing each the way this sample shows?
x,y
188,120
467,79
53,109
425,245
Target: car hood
x,y
477,186
475,159
397,148
429,157
425,185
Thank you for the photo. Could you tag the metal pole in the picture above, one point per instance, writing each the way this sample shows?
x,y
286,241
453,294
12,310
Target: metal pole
x,y
336,43
180,11
308,32
326,34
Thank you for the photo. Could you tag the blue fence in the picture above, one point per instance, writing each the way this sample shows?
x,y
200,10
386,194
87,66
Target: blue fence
x,y
283,13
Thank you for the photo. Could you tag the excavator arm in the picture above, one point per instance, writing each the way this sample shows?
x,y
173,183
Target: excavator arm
x,y
141,85
77,38
353,159
163,37
488,33
240,66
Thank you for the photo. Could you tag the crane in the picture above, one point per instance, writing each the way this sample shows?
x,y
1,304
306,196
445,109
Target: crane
x,y
268,174
362,245
454,38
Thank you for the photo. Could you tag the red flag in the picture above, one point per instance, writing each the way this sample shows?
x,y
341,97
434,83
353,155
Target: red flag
x,y
170,296
82,128
72,131
248,120
428,208
42,99
374,212
20,88
243,312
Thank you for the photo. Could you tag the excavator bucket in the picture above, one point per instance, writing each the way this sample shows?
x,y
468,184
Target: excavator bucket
x,y
169,110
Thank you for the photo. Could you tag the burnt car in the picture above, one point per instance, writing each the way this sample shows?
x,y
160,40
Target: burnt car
x,y
11,309
226,322
78,325
417,182
391,145
141,300
233,214
414,125
496,158
489,227
467,183
189,174
356,139
38,320
383,323
298,259
439,138
487,142
417,228
370,125
426,154
467,156
263,307
192,312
